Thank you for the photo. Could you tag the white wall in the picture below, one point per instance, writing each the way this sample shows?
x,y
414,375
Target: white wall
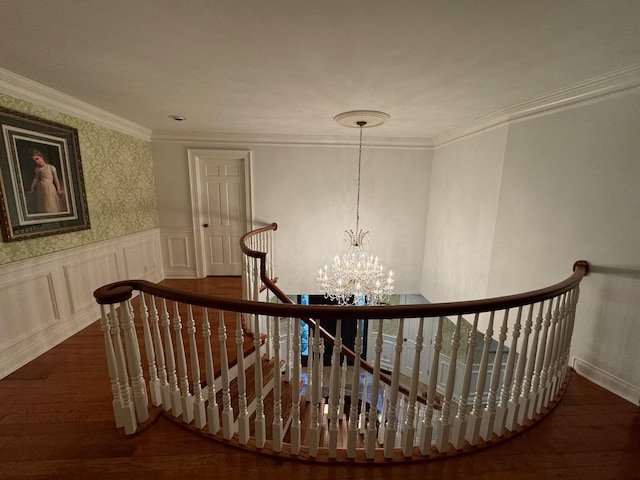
x,y
465,188
554,188
310,191
571,190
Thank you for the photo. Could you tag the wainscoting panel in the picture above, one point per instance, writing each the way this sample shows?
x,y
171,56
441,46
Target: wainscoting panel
x,y
140,259
29,306
178,255
47,299
85,275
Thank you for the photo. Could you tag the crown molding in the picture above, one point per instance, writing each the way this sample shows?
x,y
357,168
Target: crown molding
x,y
590,90
21,87
289,140
593,89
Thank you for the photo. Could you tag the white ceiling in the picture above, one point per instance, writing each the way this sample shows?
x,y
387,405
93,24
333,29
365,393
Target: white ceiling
x,y
276,67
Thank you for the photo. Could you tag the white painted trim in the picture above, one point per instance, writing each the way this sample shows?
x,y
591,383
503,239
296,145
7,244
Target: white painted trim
x,y
607,381
67,272
170,238
194,183
590,90
226,140
21,87
595,88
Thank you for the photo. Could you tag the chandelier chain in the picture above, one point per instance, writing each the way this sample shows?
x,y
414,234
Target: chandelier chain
x,y
362,124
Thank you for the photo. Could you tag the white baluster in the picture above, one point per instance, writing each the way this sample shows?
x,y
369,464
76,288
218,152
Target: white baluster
x,y
545,380
154,381
310,360
489,414
163,383
272,256
295,392
260,420
186,399
460,422
475,417
418,421
554,367
241,382
123,409
134,363
334,391
343,386
525,398
537,380
228,428
288,354
400,422
213,413
410,427
426,433
352,433
370,437
362,418
443,425
501,409
383,414
573,300
123,375
513,407
170,395
320,383
199,411
392,426
314,426
277,389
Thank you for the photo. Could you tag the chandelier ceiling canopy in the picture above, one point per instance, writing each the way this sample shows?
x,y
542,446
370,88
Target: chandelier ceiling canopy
x,y
356,277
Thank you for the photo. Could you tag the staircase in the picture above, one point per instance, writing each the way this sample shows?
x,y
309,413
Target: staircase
x,y
497,366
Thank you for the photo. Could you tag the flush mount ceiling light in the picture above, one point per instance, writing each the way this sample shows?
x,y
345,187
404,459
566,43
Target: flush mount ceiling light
x,y
177,118
356,277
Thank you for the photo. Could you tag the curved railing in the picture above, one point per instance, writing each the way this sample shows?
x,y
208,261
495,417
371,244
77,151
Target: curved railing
x,y
258,275
474,391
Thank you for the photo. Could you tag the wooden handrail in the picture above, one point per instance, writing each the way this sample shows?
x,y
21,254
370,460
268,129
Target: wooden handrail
x,y
122,290
540,374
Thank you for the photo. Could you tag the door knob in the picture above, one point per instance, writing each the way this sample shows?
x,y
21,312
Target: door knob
x,y
205,225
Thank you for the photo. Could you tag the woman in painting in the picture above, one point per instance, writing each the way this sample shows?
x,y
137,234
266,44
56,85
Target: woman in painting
x,y
45,185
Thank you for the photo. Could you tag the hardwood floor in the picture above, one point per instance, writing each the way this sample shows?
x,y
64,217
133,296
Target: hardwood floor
x,y
56,422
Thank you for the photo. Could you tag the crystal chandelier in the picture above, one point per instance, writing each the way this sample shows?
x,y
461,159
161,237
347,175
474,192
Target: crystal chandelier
x,y
356,277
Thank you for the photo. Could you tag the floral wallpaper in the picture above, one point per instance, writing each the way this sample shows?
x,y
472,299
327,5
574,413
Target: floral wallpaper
x,y
118,176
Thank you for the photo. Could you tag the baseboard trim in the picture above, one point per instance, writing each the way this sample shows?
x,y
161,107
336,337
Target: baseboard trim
x,y
607,381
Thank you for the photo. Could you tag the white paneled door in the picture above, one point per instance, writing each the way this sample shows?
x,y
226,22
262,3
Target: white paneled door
x,y
218,185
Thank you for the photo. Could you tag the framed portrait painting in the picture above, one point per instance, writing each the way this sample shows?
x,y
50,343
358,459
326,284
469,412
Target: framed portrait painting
x,y
41,184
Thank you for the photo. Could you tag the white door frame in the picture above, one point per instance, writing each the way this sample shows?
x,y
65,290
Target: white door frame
x,y
196,208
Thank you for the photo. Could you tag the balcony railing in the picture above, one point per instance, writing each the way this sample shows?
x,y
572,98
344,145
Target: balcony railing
x,y
494,366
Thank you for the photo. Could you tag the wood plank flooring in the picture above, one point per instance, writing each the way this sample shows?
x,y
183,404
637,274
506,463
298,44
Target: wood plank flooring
x,y
56,422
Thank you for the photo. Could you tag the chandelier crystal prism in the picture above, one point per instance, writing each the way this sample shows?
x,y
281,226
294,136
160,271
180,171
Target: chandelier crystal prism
x,y
355,277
